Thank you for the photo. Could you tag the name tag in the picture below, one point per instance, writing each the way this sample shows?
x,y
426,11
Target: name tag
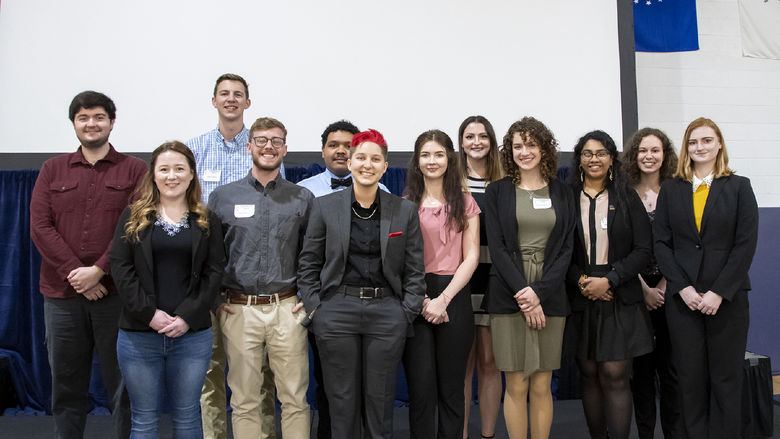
x,y
542,203
244,210
212,175
604,223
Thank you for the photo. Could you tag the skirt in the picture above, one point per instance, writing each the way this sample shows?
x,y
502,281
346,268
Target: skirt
x,y
518,348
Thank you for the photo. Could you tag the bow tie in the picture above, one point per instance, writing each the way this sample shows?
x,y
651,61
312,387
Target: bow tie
x,y
335,183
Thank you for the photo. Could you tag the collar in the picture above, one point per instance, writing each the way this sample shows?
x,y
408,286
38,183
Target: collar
x,y
237,140
375,203
706,180
258,186
78,157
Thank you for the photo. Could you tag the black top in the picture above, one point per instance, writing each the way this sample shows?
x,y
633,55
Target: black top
x,y
364,259
479,280
172,253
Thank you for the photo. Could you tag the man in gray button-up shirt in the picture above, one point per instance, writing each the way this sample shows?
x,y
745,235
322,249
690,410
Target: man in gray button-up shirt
x,y
263,220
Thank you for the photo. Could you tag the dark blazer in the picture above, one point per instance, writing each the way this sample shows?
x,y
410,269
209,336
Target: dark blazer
x,y
630,242
717,258
507,275
324,256
132,268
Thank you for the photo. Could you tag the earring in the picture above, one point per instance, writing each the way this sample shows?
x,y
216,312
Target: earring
x,y
611,176
582,175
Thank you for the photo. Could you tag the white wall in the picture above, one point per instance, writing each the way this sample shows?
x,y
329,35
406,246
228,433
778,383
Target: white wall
x,y
742,95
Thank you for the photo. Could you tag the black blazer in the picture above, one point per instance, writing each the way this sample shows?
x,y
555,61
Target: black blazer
x,y
507,276
324,255
630,244
131,268
717,258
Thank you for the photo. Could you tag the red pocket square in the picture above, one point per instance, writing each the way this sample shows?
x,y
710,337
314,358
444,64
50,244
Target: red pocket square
x,y
394,234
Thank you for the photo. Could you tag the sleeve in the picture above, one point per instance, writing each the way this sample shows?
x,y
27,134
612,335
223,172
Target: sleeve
x,y
311,260
52,247
413,277
663,240
210,274
740,257
555,275
138,303
628,267
472,209
500,255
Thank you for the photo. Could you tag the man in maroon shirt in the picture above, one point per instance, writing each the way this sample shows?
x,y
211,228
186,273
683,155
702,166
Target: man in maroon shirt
x,y
74,208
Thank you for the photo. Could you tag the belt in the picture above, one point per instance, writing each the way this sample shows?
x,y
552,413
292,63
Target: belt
x,y
239,298
364,292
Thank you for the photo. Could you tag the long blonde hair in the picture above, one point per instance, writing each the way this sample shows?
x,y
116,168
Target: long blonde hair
x,y
684,168
143,210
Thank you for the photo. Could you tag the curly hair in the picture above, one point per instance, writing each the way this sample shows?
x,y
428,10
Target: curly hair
x,y
494,170
341,125
631,152
453,179
144,210
531,128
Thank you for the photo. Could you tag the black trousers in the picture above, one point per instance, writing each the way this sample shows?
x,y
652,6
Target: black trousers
x,y
435,365
360,343
708,353
323,412
74,328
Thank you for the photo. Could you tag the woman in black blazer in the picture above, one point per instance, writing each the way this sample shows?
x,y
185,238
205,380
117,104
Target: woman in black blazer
x,y
705,233
167,261
530,223
611,245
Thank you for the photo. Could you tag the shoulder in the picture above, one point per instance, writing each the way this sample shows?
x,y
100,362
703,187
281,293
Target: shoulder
x,y
309,182
56,162
198,143
296,189
131,161
499,185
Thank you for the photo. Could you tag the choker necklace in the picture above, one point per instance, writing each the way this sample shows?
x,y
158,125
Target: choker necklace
x,y
364,217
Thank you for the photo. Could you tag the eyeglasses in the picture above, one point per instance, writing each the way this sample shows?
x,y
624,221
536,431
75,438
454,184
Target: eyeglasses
x,y
276,142
599,154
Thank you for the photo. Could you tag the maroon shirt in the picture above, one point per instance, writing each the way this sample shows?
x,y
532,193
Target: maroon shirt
x,y
73,214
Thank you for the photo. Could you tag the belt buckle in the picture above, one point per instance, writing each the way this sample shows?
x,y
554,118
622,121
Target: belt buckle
x,y
374,291
273,298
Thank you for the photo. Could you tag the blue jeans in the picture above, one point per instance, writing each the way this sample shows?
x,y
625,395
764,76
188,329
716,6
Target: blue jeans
x,y
153,365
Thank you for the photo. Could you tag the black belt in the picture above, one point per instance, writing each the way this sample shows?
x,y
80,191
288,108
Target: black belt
x,y
364,292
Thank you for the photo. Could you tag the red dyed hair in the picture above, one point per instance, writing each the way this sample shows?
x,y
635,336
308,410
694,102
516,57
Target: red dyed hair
x,y
371,135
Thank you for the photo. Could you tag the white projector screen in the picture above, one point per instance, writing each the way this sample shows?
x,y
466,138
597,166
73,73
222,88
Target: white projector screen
x,y
401,66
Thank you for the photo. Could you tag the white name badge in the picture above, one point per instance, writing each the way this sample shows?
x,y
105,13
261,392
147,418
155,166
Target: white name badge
x,y
212,175
604,223
542,203
244,210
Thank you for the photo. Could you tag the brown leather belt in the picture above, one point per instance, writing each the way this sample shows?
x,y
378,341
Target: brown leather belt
x,y
239,298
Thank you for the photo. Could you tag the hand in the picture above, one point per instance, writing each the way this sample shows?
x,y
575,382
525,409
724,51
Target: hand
x,y
526,299
298,306
85,278
436,310
224,307
535,318
596,288
710,303
654,297
691,297
176,328
96,292
160,320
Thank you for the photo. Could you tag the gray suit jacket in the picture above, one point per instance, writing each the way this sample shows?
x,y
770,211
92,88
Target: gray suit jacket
x,y
324,256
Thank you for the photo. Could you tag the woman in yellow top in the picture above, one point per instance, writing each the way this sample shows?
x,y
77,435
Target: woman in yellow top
x,y
705,233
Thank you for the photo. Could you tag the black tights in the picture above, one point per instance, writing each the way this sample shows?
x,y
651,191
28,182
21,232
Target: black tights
x,y
606,397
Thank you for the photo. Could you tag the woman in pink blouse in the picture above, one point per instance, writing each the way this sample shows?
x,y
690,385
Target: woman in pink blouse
x,y
436,353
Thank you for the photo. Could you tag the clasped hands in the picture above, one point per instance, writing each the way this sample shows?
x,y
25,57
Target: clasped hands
x,y
595,288
86,281
164,323
707,303
435,310
531,307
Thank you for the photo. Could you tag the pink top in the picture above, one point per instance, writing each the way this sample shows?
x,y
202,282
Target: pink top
x,y
443,245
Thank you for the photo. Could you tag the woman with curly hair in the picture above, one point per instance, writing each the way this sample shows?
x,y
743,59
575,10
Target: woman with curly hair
x,y
611,247
480,162
167,261
705,234
530,225
435,355
650,159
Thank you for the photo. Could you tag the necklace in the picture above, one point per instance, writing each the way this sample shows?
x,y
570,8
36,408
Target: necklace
x,y
531,192
364,217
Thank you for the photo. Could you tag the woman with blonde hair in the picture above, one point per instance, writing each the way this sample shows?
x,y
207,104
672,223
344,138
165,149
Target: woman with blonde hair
x,y
705,235
167,261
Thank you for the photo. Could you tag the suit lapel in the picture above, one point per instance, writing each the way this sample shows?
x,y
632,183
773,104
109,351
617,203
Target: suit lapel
x,y
386,215
196,238
578,222
146,246
686,193
344,223
712,199
510,219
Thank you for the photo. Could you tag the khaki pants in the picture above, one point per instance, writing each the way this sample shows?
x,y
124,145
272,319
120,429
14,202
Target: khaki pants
x,y
251,334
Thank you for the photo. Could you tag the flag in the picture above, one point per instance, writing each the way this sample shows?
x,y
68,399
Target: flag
x,y
759,22
665,25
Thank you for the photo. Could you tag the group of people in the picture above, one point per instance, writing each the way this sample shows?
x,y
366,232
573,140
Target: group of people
x,y
211,267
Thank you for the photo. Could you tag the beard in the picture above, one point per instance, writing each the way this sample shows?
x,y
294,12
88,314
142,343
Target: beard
x,y
94,144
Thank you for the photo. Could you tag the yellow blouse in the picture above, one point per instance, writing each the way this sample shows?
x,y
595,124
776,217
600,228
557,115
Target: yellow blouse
x,y
699,200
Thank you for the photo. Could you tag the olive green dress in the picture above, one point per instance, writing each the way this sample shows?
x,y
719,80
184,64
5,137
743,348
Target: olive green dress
x,y
516,346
